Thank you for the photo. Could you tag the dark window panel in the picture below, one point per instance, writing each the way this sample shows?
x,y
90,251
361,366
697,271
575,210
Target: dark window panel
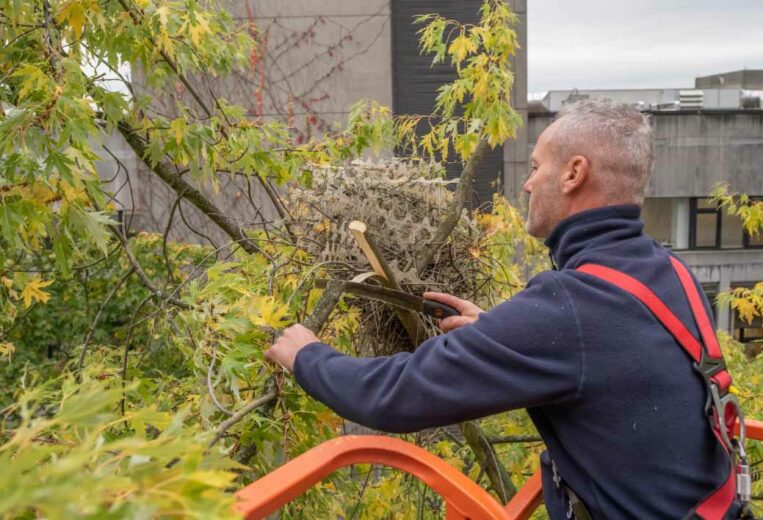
x,y
415,81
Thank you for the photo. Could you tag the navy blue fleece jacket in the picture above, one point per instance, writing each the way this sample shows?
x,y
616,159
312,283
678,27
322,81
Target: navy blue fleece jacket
x,y
613,395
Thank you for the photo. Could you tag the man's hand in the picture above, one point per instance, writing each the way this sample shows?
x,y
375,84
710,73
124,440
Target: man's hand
x,y
284,350
469,311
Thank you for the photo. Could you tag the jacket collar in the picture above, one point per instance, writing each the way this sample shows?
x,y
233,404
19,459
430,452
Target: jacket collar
x,y
592,229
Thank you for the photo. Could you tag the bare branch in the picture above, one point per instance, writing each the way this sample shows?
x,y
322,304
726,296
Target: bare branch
x,y
93,324
142,274
448,223
488,460
511,439
236,417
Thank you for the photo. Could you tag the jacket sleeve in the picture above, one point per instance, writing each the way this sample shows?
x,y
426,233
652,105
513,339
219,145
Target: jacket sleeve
x,y
525,352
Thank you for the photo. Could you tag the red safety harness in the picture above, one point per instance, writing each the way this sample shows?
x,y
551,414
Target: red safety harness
x,y
722,407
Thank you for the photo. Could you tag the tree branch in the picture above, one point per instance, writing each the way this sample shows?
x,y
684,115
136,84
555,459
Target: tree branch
x,y
158,293
449,221
236,417
510,439
188,192
488,460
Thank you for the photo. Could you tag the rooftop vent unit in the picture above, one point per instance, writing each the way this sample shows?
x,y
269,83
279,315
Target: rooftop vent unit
x,y
671,105
574,97
691,99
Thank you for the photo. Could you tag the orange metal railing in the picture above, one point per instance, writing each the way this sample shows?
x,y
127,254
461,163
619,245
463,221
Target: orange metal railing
x,y
464,499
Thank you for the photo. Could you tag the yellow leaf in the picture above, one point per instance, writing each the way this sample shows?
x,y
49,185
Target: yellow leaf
x,y
267,311
460,47
7,349
179,128
33,291
323,225
196,32
7,282
73,12
216,479
163,13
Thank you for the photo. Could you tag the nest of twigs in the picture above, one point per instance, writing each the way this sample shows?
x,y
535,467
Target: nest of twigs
x,y
401,204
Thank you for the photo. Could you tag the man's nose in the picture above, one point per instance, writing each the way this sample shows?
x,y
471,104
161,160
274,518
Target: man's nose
x,y
527,186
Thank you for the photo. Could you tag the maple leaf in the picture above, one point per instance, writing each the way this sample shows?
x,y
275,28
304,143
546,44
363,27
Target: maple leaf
x,y
268,312
163,13
197,31
179,129
460,47
33,291
74,13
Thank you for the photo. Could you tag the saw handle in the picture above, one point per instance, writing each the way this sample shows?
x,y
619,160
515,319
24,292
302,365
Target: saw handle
x,y
438,310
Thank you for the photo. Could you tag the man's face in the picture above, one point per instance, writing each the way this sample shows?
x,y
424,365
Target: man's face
x,y
544,188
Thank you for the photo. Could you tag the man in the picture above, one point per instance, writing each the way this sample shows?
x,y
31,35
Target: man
x,y
615,398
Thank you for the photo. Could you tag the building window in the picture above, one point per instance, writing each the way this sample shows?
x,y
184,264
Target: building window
x,y
754,241
711,228
704,225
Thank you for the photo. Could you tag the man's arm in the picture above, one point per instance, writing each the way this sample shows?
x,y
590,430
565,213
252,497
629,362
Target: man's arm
x,y
525,352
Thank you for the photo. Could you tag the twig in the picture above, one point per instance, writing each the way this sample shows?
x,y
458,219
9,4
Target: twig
x,y
126,351
514,439
166,234
236,417
142,274
93,324
210,371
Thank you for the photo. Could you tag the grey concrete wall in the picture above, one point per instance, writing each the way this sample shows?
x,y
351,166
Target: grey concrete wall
x,y
747,79
515,156
694,151
323,54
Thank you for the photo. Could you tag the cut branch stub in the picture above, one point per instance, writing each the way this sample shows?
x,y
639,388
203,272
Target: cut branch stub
x,y
380,267
410,320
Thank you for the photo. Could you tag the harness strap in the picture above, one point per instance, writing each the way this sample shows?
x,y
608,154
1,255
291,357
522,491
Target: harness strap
x,y
708,360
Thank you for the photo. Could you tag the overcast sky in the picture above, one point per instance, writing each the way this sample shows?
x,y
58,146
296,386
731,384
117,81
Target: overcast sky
x,y
637,44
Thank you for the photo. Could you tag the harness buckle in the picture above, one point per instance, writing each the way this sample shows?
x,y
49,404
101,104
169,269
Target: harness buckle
x,y
744,481
709,366
725,406
722,405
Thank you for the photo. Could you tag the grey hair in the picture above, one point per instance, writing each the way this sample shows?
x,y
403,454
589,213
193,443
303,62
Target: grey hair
x,y
616,138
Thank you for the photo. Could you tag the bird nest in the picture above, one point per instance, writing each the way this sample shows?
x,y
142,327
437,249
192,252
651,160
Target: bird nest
x,y
401,204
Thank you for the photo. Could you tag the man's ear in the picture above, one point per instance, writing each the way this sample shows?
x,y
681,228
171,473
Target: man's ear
x,y
575,174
